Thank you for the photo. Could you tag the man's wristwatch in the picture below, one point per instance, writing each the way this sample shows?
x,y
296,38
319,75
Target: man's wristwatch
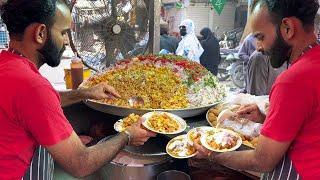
x,y
211,157
129,136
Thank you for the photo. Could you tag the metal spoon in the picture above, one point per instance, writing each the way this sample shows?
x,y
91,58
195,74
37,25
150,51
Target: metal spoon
x,y
134,101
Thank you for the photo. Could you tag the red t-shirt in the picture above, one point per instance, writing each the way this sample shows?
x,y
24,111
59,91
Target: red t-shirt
x,y
295,113
30,114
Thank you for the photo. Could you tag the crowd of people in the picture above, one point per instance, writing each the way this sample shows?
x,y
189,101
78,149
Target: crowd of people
x,y
205,51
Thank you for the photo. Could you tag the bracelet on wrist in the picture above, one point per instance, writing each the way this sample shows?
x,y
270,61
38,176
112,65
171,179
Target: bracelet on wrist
x,y
211,157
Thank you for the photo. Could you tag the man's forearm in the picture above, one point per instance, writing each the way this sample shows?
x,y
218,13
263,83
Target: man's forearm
x,y
100,154
72,97
240,160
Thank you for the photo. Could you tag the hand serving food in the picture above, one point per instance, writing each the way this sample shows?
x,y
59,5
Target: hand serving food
x,y
247,129
251,112
202,152
137,134
100,91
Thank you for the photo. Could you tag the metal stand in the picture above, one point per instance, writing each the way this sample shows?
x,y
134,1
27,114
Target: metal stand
x,y
154,27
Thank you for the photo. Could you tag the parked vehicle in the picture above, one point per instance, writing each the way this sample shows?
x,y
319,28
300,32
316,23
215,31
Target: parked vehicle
x,y
232,67
231,39
238,72
223,73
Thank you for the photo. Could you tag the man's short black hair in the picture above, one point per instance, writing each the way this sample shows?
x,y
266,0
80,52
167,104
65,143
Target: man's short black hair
x,y
163,30
304,10
19,14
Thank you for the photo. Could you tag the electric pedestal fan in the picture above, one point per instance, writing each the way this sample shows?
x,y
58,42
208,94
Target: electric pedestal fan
x,y
105,31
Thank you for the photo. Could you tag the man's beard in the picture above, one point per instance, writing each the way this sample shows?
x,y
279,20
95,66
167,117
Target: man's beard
x,y
279,52
50,53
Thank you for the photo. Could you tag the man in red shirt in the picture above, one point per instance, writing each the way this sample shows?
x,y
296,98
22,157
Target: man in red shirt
x,y
30,109
288,147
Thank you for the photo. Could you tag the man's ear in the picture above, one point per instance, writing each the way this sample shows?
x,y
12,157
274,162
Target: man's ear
x,y
40,34
287,28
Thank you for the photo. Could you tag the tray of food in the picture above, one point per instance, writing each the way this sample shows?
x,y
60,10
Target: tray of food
x,y
179,148
165,83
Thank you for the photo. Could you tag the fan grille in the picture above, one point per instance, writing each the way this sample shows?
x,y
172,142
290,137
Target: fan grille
x,y
108,30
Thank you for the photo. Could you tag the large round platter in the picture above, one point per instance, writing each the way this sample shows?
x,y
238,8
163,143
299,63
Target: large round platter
x,y
182,123
182,138
123,111
165,83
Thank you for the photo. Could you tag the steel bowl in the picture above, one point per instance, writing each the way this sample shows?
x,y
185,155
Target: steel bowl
x,y
151,160
124,111
173,174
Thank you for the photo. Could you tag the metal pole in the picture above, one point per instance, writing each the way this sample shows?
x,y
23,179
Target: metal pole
x,y
247,29
113,9
154,27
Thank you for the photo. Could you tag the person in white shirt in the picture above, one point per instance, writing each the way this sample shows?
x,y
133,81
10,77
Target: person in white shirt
x,y
189,46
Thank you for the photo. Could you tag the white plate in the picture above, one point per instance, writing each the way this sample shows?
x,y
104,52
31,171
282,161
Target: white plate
x,y
202,130
184,136
182,123
204,138
118,126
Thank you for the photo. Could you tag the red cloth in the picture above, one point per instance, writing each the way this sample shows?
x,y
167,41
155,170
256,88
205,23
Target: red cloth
x,y
295,113
30,114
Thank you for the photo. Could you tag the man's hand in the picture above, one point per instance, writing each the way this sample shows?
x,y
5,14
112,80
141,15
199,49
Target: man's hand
x,y
202,152
101,91
251,112
139,135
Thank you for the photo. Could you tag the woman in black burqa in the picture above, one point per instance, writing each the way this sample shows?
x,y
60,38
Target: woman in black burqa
x,y
210,58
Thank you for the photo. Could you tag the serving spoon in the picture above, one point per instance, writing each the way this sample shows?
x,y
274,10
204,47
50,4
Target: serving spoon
x,y
135,101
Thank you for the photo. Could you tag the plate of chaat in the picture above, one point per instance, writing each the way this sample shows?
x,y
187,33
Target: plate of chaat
x,y
164,122
179,148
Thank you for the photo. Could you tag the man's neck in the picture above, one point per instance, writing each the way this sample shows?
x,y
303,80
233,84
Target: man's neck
x,y
302,45
30,54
